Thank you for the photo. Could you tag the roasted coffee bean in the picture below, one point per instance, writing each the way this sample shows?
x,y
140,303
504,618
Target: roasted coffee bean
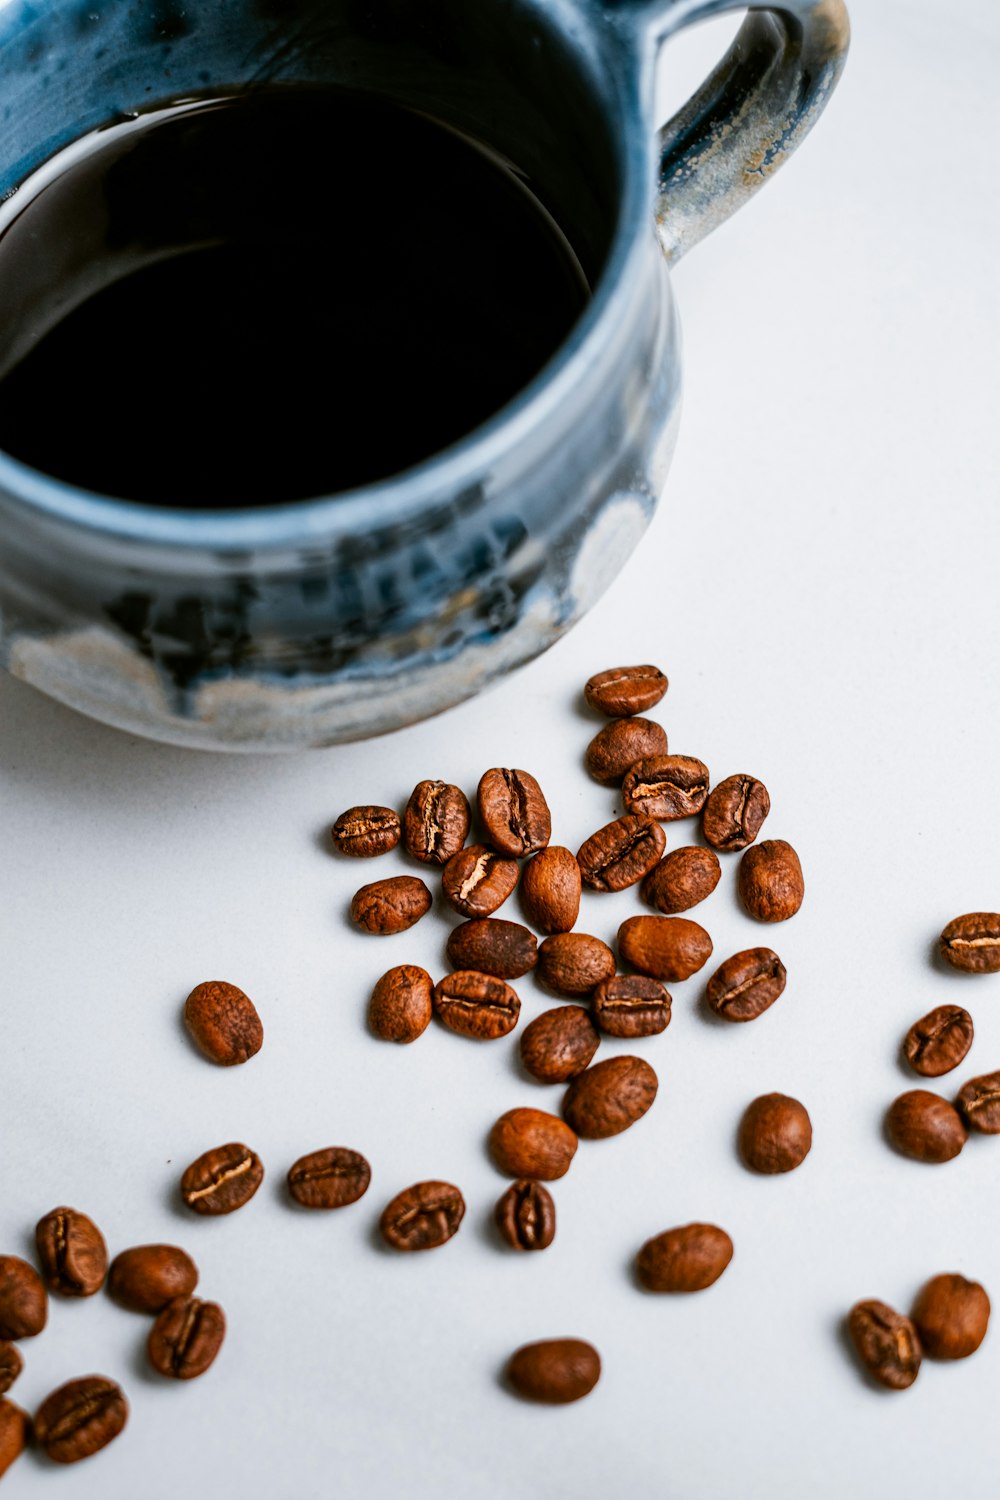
x,y
332,1177
11,1365
734,812
526,1216
925,1127
631,1005
392,905
682,879
887,1344
746,985
574,963
972,942
80,1418
186,1337
436,822
364,832
555,1371
477,880
401,1005
24,1306
666,787
979,1101
224,1022
776,1134
687,1259
621,853
609,1097
667,948
559,1043
476,1005
951,1316
72,1253
15,1430
939,1041
422,1216
617,747
531,1143
493,946
550,890
622,691
514,812
222,1180
147,1277
770,881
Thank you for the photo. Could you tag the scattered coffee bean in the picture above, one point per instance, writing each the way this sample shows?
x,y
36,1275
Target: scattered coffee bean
x,y
609,1097
550,890
186,1337
776,1134
621,853
972,942
887,1344
422,1216
80,1418
147,1277
332,1177
667,948
622,691
951,1316
746,985
493,946
687,1259
476,1005
734,812
401,1005
666,787
72,1252
631,1005
363,832
393,905
526,1216
939,1041
15,1430
770,881
224,1022
555,1371
574,963
617,747
514,812
925,1127
682,879
24,1306
979,1102
436,822
559,1043
530,1143
222,1180
477,880
11,1365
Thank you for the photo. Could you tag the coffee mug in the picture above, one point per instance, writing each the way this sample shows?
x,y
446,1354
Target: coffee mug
x,y
337,618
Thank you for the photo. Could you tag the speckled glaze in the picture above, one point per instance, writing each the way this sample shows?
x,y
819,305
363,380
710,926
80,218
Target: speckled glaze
x,y
343,617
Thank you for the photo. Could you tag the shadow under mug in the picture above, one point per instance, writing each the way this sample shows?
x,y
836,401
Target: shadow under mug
x,y
346,616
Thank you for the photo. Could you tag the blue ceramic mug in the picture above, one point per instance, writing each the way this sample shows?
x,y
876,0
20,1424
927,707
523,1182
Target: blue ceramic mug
x,y
341,617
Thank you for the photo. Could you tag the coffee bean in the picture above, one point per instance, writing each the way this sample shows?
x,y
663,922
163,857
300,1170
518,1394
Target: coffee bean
x,y
573,963
555,1371
550,890
493,946
979,1102
770,881
24,1306
72,1252
631,1005
393,905
530,1143
939,1041
80,1418
147,1277
476,1005
186,1337
332,1177
526,1216
951,1316
363,832
687,1259
682,879
622,691
514,812
15,1430
222,1180
559,1043
667,948
887,1344
925,1127
224,1022
666,787
477,880
734,812
609,1097
11,1365
972,942
621,853
776,1134
436,822
422,1216
401,1006
617,747
746,985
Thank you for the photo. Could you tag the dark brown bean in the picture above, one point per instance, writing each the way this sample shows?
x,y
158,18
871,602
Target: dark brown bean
x,y
514,811
72,1253
573,963
559,1043
666,787
979,1102
15,1430
746,985
11,1365
617,747
770,881
925,1127
146,1277
224,1022
682,879
609,1097
667,948
938,1041
222,1180
80,1418
776,1134
531,1143
526,1216
476,1005
186,1337
951,1316
24,1306
621,853
631,1005
686,1259
550,890
436,822
364,832
477,880
393,905
972,942
622,691
887,1344
401,1005
332,1177
493,946
423,1216
734,812
555,1371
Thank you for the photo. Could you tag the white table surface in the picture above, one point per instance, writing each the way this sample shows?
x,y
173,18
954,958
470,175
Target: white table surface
x,y
821,587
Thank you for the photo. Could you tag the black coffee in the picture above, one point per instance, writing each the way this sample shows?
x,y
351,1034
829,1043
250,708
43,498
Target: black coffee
x,y
269,296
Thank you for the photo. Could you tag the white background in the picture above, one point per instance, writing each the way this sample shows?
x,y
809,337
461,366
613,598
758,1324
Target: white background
x,y
821,587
